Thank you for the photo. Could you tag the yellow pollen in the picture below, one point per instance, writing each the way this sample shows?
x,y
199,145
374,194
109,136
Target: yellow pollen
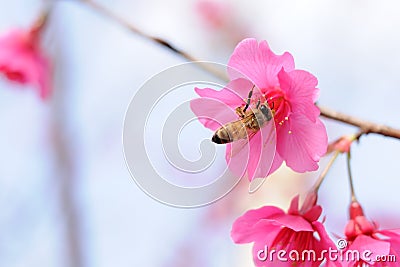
x,y
286,118
281,123
290,132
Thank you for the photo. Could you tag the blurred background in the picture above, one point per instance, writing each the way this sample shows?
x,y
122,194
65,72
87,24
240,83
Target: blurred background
x,y
66,196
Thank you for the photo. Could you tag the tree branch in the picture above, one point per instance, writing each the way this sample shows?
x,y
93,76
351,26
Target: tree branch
x,y
365,126
66,163
108,13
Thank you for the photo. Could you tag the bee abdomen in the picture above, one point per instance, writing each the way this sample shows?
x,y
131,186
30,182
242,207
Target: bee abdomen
x,y
221,136
230,132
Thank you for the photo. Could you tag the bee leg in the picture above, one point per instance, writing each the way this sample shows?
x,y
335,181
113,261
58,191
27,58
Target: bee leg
x,y
240,112
248,99
258,103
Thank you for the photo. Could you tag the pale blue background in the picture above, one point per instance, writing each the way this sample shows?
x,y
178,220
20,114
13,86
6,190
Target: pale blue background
x,y
351,46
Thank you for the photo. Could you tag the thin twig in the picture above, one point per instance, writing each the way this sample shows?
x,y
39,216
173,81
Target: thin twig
x,y
66,164
203,64
353,195
365,126
325,172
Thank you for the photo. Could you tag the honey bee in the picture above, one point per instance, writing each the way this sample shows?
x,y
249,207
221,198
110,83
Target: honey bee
x,y
250,122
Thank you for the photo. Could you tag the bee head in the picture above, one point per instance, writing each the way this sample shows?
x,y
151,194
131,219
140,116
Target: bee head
x,y
266,111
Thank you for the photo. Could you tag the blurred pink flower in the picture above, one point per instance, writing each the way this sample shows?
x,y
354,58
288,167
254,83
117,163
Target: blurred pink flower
x,y
23,61
214,14
363,235
270,228
342,144
222,21
301,137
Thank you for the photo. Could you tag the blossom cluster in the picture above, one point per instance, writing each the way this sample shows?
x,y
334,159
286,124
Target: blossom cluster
x,y
273,103
258,76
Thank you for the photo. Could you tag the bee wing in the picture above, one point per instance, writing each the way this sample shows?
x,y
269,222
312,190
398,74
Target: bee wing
x,y
237,155
238,146
267,156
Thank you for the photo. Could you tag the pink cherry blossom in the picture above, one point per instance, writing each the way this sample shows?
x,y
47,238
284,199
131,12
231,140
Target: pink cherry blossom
x,y
214,14
270,228
301,137
23,61
222,22
363,235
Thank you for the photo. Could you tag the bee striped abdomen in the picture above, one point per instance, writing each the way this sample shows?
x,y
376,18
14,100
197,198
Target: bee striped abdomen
x,y
250,123
230,132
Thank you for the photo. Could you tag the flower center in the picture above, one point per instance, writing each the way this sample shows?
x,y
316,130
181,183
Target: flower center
x,y
289,240
279,105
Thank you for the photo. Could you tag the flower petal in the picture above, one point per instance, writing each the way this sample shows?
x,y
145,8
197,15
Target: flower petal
x,y
294,205
301,143
276,163
212,113
393,233
313,214
13,39
268,150
300,90
325,242
261,254
237,156
364,243
262,152
22,60
233,94
244,230
394,239
255,156
254,215
295,222
258,63
215,108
